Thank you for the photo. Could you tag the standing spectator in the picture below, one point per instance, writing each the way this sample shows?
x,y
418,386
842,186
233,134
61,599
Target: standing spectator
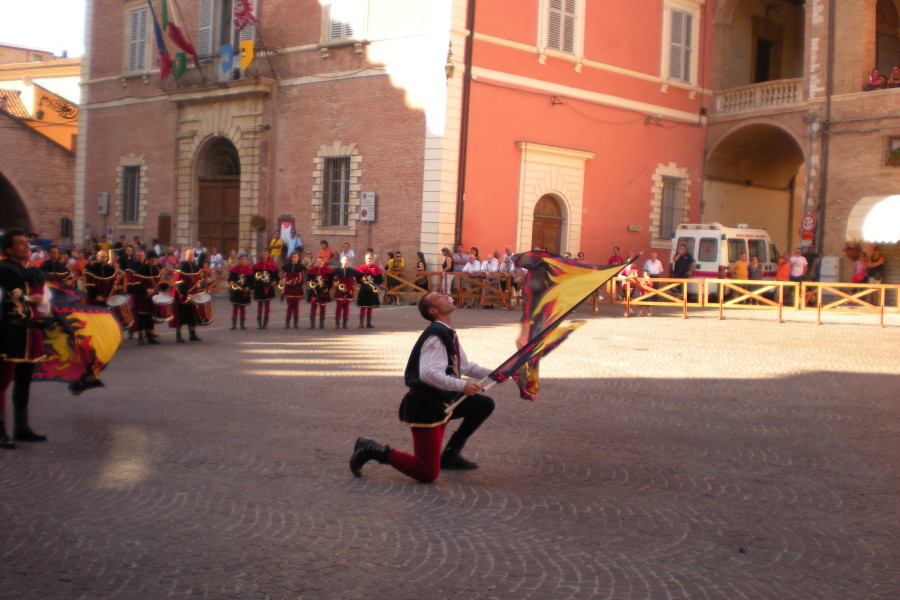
x,y
754,273
798,265
738,269
396,263
490,267
784,274
157,247
200,253
326,253
860,270
421,267
616,258
653,267
446,271
682,263
232,259
875,266
276,247
138,244
460,259
472,270
244,251
216,261
293,244
347,251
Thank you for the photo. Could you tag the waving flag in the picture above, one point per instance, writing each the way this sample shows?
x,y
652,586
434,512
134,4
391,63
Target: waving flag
x,y
243,14
176,34
165,61
80,341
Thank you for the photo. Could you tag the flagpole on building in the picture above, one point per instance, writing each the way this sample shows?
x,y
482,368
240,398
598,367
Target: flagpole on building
x,y
188,36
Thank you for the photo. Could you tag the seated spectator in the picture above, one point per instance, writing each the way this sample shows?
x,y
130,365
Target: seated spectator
x,y
893,79
875,81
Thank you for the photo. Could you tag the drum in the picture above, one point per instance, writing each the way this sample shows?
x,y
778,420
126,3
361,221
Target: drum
x,y
203,308
120,307
163,308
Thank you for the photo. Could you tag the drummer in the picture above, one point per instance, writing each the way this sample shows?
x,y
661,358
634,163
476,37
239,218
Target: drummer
x,y
240,277
100,279
133,286
147,284
186,283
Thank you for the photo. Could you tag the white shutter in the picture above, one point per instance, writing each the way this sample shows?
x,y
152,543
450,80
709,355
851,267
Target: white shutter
x,y
561,18
137,41
249,32
680,40
205,32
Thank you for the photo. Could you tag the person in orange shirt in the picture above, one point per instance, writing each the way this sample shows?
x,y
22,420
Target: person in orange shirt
x,y
325,253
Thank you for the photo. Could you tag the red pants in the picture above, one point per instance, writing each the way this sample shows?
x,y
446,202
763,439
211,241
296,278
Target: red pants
x,y
425,464
343,309
293,306
323,308
263,305
238,308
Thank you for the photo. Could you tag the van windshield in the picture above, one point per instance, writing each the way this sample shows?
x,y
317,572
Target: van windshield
x,y
708,250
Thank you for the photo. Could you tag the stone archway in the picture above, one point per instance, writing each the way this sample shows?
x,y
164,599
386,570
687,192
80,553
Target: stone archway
x,y
547,227
219,196
754,175
13,212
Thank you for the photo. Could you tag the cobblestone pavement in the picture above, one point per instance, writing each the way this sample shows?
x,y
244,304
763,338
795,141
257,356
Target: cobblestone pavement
x,y
665,459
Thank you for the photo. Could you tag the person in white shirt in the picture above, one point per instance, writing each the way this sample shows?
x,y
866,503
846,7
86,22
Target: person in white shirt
x,y
460,258
472,270
347,251
653,267
490,266
434,378
293,244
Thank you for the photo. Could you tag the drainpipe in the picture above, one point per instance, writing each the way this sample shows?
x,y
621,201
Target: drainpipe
x,y
826,126
464,123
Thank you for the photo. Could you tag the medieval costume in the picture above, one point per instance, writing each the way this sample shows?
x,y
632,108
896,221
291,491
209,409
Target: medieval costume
x,y
265,276
146,284
319,279
100,281
240,278
369,278
186,283
345,285
292,282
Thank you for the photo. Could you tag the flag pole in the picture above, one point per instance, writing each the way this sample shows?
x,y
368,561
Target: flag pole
x,y
486,384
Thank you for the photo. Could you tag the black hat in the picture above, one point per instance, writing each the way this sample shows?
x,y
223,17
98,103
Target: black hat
x,y
152,254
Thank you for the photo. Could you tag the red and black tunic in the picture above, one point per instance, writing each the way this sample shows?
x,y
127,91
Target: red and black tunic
x,y
320,279
21,340
265,278
346,278
146,282
185,283
292,276
240,279
369,278
99,282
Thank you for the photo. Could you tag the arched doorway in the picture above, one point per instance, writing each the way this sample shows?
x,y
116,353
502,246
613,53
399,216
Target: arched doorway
x,y
219,206
13,212
546,231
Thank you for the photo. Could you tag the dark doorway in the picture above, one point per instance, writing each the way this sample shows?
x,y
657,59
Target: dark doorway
x,y
546,232
763,60
219,206
13,212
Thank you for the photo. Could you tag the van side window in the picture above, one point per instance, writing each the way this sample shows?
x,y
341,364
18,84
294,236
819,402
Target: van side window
x,y
758,249
735,249
708,250
773,252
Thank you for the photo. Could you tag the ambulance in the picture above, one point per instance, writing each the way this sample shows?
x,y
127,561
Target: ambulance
x,y
715,246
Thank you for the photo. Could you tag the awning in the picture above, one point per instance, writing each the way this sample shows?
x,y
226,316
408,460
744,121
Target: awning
x,y
875,219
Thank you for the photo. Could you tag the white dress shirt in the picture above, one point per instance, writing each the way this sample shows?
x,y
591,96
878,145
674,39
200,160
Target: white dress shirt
x,y
433,362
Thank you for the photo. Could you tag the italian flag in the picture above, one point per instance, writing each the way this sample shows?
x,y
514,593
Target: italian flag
x,y
176,34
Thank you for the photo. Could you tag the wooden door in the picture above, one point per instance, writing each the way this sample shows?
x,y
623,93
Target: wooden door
x,y
218,215
546,230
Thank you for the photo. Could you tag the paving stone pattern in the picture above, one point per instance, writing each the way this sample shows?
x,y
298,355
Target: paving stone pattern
x,y
665,459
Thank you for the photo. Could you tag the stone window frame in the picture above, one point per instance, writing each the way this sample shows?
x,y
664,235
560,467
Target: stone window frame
x,y
124,163
319,216
663,172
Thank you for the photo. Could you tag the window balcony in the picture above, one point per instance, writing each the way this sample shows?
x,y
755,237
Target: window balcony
x,y
770,96
213,80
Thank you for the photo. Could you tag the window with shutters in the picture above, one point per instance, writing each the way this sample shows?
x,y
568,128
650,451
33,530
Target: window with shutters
x,y
131,190
336,191
681,28
137,40
217,28
344,19
561,20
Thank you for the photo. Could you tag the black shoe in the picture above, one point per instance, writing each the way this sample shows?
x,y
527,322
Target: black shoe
x,y
23,433
152,340
193,336
365,450
178,337
5,441
140,340
453,460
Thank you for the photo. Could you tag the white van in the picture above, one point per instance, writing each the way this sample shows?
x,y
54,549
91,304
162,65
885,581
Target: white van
x,y
714,247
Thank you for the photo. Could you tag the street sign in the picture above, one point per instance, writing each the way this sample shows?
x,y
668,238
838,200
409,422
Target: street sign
x,y
807,223
806,235
367,207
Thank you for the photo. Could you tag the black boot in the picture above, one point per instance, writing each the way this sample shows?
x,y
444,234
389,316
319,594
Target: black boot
x,y
178,337
140,338
287,322
259,322
369,322
295,322
362,321
451,457
345,323
192,334
152,338
22,431
312,322
321,322
5,441
266,322
234,324
242,323
364,451
337,323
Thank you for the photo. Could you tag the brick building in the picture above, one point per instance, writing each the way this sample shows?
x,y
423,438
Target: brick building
x,y
38,130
